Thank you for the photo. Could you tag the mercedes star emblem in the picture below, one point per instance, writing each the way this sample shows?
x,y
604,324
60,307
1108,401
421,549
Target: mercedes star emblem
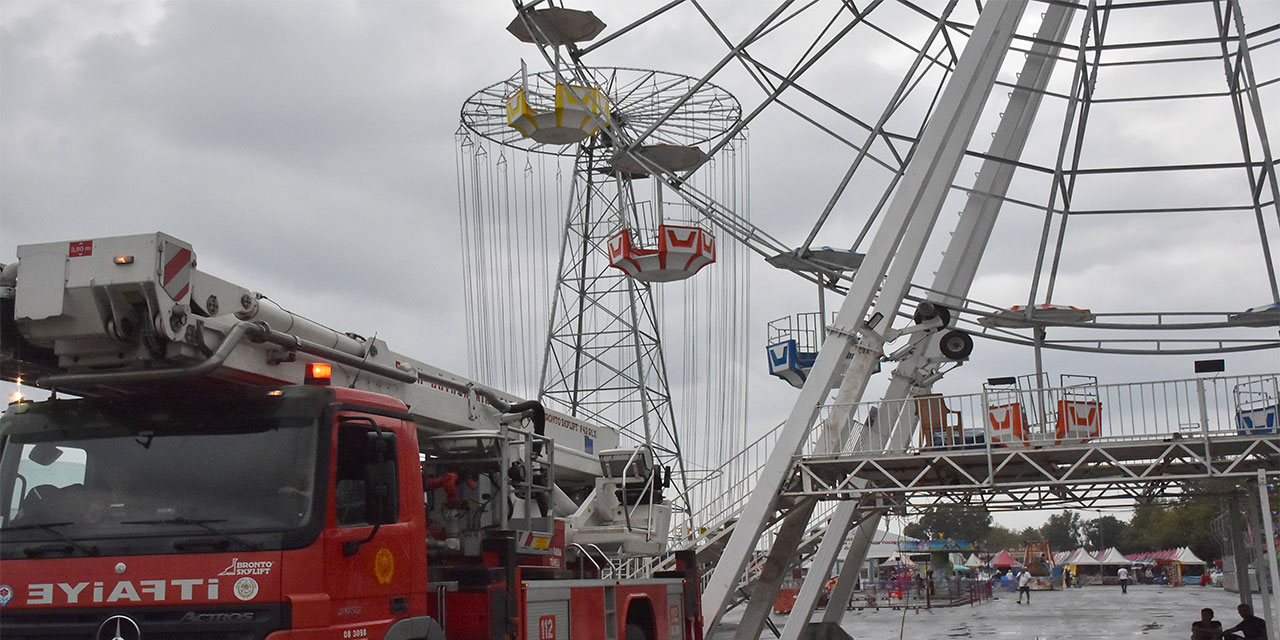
x,y
120,628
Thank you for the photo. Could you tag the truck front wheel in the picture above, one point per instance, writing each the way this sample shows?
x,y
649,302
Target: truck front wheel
x,y
635,632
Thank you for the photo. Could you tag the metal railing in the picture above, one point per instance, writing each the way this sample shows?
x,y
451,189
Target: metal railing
x,y
720,496
1075,413
911,594
804,328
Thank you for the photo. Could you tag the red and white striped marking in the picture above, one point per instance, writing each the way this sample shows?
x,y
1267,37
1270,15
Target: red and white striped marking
x,y
176,278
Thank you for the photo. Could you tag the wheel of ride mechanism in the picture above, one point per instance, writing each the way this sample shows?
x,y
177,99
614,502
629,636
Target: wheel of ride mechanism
x,y
956,345
926,311
635,632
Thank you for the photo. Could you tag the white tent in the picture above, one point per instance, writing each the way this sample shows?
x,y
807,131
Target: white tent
x,y
1085,568
899,558
973,562
1079,557
1186,556
1112,558
1111,561
1187,567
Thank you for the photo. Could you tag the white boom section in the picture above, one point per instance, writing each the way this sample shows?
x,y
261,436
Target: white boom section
x,y
916,206
107,313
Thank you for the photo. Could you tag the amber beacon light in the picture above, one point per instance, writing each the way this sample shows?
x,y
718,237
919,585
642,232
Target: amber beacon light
x,y
319,373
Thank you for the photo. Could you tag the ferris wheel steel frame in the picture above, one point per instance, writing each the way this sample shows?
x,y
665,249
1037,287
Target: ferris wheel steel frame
x,y
1066,170
1243,90
1059,171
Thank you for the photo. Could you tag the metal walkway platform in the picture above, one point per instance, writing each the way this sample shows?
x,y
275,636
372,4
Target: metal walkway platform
x,y
1139,441
1080,476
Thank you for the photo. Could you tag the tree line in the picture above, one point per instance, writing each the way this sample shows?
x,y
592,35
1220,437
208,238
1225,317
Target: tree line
x,y
1153,527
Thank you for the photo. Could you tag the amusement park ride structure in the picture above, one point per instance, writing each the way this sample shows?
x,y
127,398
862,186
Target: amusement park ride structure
x,y
1078,444
623,228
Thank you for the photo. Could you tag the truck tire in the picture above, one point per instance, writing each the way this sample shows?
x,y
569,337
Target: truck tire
x,y
635,632
419,628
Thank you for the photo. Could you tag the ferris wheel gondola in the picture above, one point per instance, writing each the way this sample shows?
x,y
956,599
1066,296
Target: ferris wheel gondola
x,y
577,115
557,26
681,252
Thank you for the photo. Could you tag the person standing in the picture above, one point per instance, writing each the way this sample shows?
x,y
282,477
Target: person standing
x,y
1024,586
1123,575
1251,627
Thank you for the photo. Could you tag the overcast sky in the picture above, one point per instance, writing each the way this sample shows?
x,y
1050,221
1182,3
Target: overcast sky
x,y
306,150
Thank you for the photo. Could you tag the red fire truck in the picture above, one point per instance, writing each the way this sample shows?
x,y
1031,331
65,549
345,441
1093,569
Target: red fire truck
x,y
212,466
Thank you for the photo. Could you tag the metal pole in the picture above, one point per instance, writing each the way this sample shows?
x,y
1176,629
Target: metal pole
x,y
1204,424
1040,378
816,579
822,312
900,241
1238,550
858,547
1270,598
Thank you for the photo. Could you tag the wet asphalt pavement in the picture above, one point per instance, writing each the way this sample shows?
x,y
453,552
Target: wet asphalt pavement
x,y
1077,614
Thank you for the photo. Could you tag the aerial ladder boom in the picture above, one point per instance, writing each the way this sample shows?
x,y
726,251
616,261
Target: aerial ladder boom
x,y
127,314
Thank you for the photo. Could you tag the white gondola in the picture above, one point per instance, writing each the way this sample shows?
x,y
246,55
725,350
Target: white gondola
x,y
556,26
672,158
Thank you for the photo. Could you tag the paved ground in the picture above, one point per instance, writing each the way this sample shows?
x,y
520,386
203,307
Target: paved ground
x,y
1077,614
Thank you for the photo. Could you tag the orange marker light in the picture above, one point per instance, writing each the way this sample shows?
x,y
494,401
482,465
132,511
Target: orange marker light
x,y
319,373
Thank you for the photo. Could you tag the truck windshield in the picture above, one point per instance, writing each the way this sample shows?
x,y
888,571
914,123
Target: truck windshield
x,y
233,473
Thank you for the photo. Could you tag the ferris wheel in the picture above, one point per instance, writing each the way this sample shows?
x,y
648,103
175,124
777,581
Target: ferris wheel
x,y
1106,69
1126,202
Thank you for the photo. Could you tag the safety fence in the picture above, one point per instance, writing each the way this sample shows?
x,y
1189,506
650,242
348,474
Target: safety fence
x,y
897,594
